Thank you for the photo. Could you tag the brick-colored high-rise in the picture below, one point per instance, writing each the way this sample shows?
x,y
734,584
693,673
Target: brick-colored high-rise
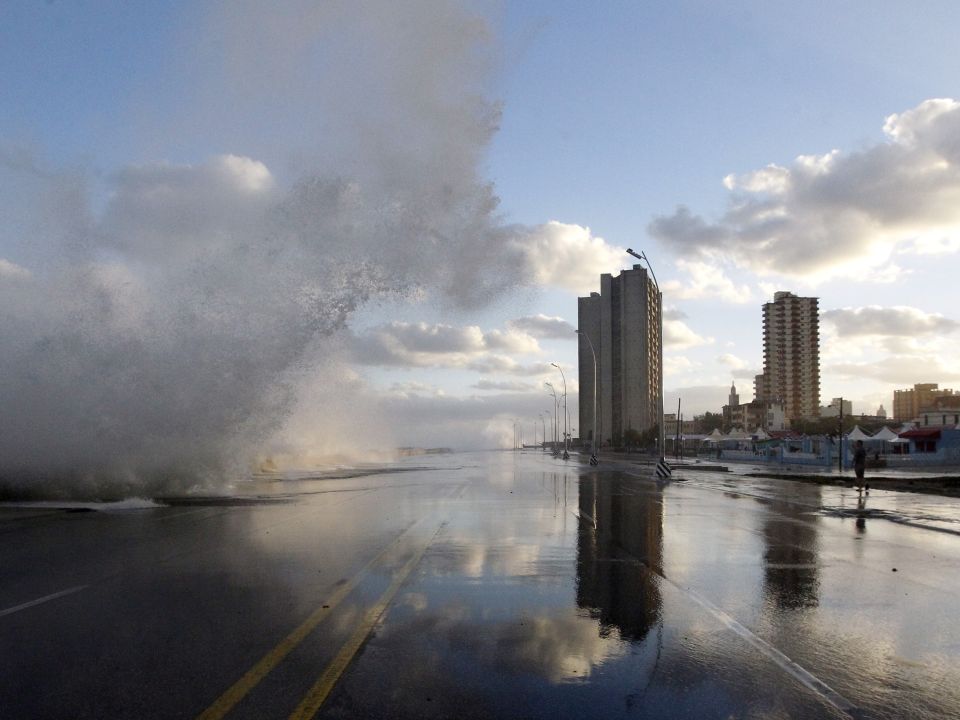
x,y
791,354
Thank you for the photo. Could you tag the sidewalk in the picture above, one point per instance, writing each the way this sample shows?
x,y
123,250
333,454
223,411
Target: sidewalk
x,y
935,481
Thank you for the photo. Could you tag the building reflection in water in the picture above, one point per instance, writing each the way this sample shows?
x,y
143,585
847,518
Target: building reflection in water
x,y
790,574
620,553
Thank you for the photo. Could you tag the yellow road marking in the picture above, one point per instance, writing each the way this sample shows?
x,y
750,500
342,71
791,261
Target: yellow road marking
x,y
223,704
317,695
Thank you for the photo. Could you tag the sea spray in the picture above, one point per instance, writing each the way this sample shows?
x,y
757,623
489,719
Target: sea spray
x,y
156,337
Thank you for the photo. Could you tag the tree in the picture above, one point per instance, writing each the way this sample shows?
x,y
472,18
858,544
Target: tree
x,y
708,422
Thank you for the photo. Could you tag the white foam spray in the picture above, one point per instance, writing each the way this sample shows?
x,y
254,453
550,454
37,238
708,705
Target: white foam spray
x,y
158,340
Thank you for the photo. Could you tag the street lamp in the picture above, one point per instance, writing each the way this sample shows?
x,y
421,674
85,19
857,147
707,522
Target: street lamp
x,y
549,415
593,445
663,470
556,410
566,454
543,425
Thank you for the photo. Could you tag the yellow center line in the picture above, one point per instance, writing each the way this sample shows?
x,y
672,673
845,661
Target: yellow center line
x,y
317,695
223,704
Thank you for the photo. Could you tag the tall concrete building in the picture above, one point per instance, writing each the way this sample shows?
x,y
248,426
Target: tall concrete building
x,y
791,355
623,323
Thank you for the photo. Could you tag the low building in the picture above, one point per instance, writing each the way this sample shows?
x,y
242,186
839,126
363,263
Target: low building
x,y
907,404
836,406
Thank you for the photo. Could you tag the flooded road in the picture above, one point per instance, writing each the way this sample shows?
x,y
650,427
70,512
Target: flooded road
x,y
485,585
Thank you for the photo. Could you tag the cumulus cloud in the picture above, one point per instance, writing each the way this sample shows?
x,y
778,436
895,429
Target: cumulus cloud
x,y
505,386
405,389
543,326
566,256
511,341
403,344
706,280
731,360
506,365
13,271
677,335
838,214
899,370
896,321
677,365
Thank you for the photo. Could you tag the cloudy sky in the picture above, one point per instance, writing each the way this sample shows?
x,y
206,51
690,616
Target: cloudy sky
x,y
304,226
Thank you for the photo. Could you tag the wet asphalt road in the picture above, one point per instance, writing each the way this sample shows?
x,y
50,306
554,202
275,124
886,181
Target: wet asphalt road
x,y
488,585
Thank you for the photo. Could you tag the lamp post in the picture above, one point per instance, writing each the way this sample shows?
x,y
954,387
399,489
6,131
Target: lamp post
x,y
566,454
543,425
663,470
593,445
556,410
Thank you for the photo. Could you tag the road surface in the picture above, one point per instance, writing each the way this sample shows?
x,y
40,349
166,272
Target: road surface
x,y
486,585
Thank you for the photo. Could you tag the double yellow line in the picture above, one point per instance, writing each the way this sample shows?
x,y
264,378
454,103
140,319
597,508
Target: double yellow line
x,y
315,698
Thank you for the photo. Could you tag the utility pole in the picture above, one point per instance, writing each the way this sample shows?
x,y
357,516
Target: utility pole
x,y
676,451
840,437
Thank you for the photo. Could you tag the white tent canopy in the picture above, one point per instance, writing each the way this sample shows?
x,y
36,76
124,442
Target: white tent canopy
x,y
885,433
857,434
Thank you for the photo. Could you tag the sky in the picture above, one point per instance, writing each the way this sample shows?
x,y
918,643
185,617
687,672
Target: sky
x,y
297,229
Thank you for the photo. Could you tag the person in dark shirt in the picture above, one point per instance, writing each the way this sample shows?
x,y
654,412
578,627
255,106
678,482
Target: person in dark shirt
x,y
859,462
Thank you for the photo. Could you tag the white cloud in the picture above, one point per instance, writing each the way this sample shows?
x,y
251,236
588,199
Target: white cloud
x,y
543,326
677,365
839,214
731,360
505,386
896,321
406,389
706,280
679,336
899,370
567,256
503,364
404,344
13,271
511,341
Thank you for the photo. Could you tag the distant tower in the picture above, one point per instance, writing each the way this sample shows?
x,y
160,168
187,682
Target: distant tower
x,y
734,399
791,354
623,323
881,413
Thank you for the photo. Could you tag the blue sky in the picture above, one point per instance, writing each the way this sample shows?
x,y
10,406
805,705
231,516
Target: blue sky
x,y
670,127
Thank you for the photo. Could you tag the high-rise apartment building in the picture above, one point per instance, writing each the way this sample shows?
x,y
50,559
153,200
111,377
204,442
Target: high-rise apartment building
x,y
623,323
791,355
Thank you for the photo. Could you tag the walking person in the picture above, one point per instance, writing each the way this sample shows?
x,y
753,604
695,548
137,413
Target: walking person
x,y
859,463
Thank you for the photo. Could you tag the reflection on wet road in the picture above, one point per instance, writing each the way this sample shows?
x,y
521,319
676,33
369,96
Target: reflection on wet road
x,y
494,585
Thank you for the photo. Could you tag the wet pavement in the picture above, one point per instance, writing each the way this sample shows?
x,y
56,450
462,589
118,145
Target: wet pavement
x,y
487,585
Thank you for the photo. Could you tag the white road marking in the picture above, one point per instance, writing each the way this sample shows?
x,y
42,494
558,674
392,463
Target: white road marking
x,y
45,598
